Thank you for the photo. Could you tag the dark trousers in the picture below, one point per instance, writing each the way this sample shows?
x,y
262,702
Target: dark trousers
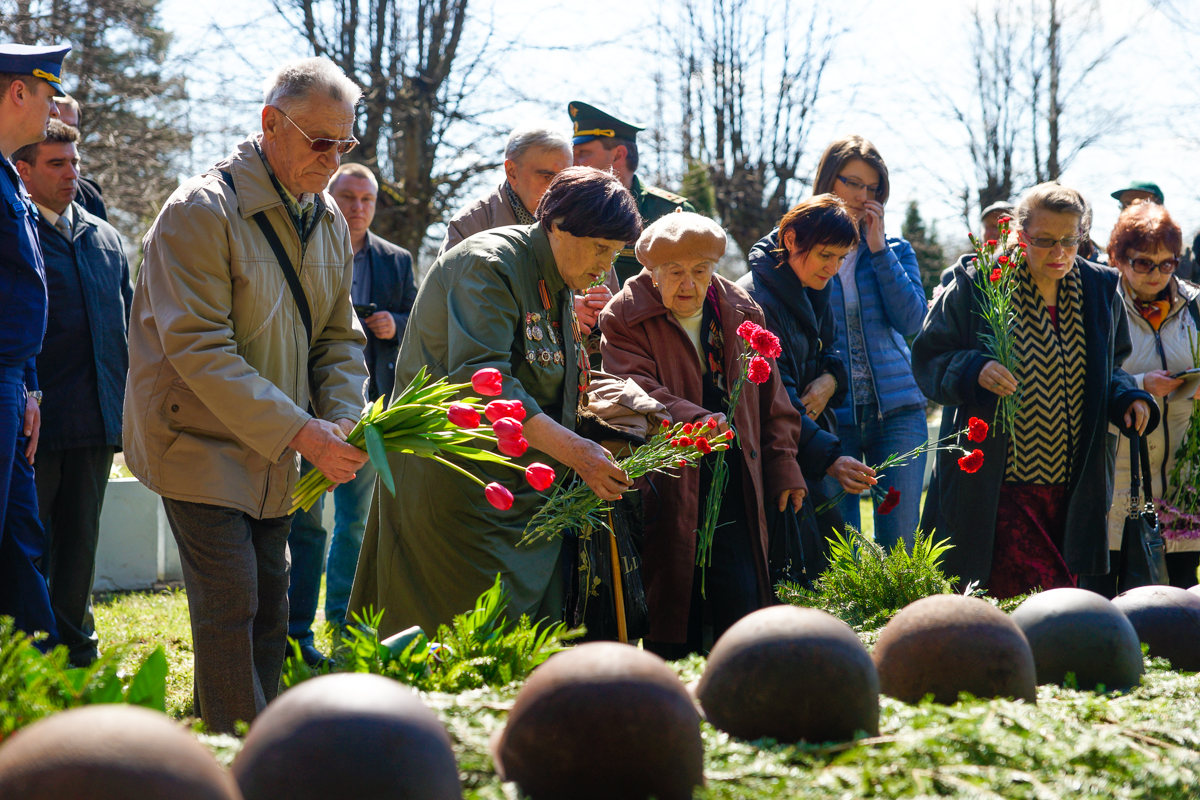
x,y
235,569
23,592
70,489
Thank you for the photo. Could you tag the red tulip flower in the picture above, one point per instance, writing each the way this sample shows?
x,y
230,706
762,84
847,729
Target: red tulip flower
x,y
514,448
703,446
504,408
747,330
507,428
463,415
540,476
498,496
972,461
977,429
488,382
759,370
766,343
889,502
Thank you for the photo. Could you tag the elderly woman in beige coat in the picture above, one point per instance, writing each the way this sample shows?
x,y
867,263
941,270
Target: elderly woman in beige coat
x,y
1164,313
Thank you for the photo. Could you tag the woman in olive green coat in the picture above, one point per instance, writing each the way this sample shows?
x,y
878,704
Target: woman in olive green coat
x,y
501,299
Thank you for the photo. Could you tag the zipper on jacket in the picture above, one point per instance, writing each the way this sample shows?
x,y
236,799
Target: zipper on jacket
x,y
866,355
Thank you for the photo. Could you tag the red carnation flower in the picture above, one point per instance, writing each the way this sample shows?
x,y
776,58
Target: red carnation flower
x,y
498,496
1002,260
488,382
711,423
972,461
1003,220
995,275
540,476
703,446
688,427
729,435
889,502
665,424
462,415
991,242
977,429
681,463
759,370
507,428
747,330
513,448
685,441
766,343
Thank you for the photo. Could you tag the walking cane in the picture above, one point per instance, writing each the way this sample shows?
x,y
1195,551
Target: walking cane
x,y
618,584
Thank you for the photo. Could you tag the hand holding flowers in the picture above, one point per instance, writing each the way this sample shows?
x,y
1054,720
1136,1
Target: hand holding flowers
x,y
997,266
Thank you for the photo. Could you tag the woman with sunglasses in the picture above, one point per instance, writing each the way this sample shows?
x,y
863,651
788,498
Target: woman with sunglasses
x,y
877,300
1164,318
1035,513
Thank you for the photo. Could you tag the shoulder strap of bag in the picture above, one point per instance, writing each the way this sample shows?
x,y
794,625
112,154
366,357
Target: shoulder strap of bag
x,y
1136,444
1147,474
285,262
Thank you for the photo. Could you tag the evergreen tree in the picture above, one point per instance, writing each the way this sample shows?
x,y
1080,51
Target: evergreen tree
x,y
930,257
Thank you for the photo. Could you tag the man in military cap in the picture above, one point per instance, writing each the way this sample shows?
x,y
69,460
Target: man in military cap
x,y
605,142
29,80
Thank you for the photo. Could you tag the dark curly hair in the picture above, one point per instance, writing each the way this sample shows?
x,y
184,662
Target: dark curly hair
x,y
586,202
1143,226
820,220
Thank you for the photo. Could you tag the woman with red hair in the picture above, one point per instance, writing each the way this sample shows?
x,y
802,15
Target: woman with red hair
x,y
1164,321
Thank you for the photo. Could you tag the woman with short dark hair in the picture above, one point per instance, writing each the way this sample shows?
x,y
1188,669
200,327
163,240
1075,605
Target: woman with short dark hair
x,y
1164,321
1034,514
791,269
878,299
501,299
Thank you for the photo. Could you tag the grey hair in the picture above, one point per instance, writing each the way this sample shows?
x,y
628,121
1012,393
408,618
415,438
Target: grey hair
x,y
296,81
1055,198
535,135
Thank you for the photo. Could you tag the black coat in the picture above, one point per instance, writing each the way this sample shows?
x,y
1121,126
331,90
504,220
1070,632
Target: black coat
x,y
393,289
947,358
803,320
84,390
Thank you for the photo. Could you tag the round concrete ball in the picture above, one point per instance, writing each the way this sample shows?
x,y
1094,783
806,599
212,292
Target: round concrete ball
x,y
791,674
110,752
347,735
1168,619
600,721
1077,631
946,644
1195,590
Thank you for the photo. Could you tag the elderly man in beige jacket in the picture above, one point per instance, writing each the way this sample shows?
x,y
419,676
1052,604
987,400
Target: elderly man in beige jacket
x,y
237,368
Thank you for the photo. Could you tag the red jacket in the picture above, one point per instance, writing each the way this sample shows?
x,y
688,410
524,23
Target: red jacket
x,y
642,340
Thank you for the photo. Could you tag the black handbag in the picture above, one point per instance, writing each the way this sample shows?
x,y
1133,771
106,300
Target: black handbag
x,y
1145,552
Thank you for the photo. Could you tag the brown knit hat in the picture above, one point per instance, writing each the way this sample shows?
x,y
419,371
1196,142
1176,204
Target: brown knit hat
x,y
680,236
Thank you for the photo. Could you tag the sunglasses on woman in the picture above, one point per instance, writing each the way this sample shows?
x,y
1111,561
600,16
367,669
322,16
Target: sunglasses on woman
x,y
322,145
1144,266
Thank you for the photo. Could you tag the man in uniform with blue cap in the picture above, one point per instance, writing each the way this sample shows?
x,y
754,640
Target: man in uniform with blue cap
x,y
605,142
29,80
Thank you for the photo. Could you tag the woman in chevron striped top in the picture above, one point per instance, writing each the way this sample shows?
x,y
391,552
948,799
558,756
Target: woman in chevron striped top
x,y
1035,514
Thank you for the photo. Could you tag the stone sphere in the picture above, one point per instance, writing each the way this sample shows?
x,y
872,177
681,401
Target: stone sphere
x,y
1168,619
1195,590
1074,630
791,674
347,735
110,752
602,720
946,644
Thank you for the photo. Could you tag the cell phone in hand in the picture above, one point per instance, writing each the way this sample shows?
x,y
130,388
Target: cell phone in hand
x,y
1185,373
365,311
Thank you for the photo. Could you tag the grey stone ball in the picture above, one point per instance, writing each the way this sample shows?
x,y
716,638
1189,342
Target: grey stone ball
x,y
1168,619
601,721
1074,630
347,735
791,674
946,644
110,752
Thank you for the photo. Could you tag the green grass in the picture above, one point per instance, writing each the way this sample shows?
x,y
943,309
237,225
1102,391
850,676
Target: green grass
x,y
146,620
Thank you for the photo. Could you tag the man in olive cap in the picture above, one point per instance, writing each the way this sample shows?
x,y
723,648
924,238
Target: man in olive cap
x,y
604,142
29,80
1138,190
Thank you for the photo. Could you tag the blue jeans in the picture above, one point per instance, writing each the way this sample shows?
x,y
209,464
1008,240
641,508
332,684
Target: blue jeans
x,y
871,441
351,501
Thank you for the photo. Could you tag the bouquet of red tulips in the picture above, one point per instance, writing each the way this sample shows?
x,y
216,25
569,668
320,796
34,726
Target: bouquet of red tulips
x,y
425,422
576,506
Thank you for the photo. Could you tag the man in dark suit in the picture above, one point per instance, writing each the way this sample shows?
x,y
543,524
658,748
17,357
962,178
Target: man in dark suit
x,y
383,293
81,368
89,194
